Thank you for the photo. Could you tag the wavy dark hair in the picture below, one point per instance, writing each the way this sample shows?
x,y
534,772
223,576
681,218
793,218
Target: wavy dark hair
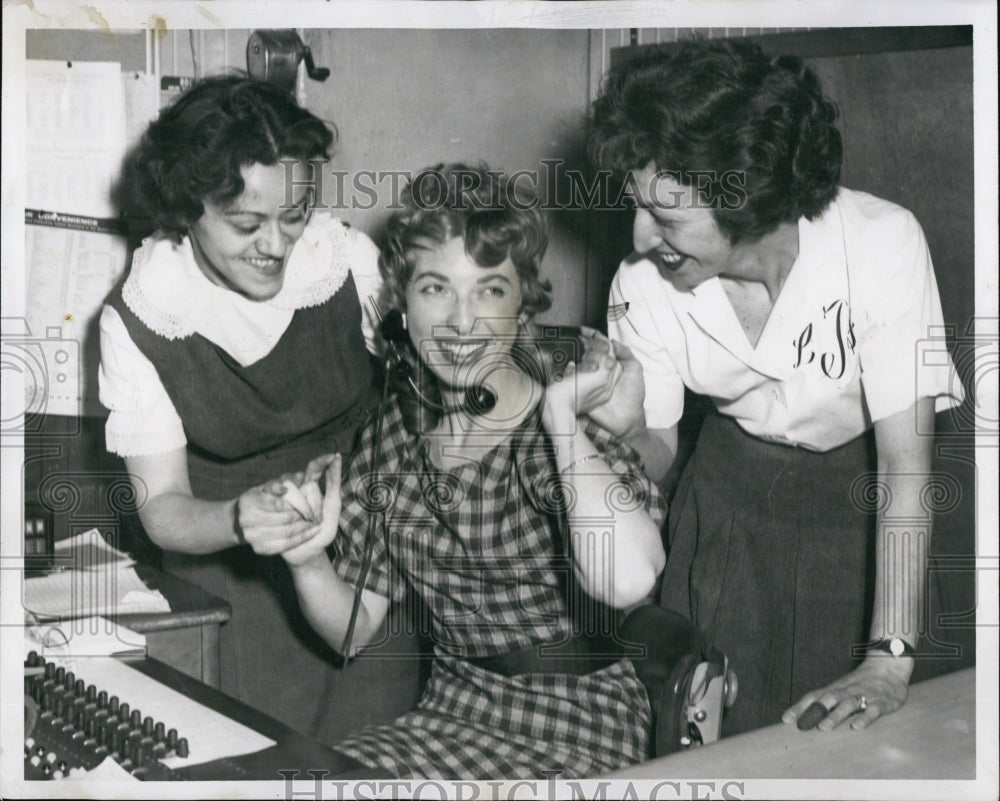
x,y
725,109
495,220
197,147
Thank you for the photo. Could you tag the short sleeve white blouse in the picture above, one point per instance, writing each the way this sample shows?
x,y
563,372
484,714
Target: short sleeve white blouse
x,y
846,343
167,291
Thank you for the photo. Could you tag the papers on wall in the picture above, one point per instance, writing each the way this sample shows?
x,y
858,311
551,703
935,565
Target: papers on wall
x,y
77,135
142,104
72,266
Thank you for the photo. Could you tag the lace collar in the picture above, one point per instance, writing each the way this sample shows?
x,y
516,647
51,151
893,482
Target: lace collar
x,y
170,295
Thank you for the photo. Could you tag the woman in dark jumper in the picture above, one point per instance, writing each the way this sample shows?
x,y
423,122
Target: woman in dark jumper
x,y
234,353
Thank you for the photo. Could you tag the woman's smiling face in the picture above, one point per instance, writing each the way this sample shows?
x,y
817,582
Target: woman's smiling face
x,y
244,245
461,317
676,230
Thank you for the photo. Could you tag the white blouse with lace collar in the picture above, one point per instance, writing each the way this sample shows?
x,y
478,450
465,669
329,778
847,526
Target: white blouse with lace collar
x,y
169,293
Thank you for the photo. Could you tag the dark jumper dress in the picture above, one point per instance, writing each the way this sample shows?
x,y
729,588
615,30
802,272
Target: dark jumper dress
x,y
247,425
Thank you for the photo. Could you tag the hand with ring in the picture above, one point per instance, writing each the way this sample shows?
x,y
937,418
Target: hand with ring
x,y
878,686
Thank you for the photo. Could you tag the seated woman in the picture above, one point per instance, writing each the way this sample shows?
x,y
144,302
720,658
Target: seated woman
x,y
510,514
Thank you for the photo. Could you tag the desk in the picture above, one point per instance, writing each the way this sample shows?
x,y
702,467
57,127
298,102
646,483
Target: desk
x,y
933,736
186,637
293,751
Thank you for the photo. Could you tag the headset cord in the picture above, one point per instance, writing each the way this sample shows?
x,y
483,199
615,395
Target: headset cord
x,y
373,526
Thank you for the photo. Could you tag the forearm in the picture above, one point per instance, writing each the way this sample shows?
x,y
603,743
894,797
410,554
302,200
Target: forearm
x,y
900,560
616,547
179,522
902,541
326,601
656,455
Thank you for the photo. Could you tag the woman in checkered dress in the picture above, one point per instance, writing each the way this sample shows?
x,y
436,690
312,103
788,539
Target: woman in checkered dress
x,y
517,521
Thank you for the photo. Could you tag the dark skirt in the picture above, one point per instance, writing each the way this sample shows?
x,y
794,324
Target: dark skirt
x,y
271,659
770,557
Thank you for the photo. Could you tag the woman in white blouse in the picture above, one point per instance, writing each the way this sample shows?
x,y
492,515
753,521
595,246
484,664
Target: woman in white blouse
x,y
797,306
235,352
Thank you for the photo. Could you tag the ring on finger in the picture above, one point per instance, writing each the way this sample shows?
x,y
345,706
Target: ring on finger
x,y
862,703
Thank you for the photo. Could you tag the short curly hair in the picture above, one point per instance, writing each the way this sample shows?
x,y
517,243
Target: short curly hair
x,y
195,150
723,109
484,208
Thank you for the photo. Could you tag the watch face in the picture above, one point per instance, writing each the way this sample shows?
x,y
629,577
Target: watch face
x,y
897,647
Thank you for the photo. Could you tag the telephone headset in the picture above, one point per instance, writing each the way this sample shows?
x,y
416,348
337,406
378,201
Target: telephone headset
x,y
478,399
544,355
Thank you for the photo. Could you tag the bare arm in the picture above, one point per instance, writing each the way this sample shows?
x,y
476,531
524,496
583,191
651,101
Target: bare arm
x,y
177,521
326,601
904,467
657,447
617,552
622,414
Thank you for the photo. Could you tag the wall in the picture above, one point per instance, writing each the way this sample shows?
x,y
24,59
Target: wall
x,y
508,97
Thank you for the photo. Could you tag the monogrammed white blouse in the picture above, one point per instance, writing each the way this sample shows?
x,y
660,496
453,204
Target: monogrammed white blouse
x,y
855,335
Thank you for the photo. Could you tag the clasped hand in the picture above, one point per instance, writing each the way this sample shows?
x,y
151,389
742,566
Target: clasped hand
x,y
299,529
611,389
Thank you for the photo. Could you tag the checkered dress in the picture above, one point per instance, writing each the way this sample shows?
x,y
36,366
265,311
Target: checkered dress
x,y
482,546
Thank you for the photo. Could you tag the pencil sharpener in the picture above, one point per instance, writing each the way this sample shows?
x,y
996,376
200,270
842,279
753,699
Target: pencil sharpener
x,y
274,56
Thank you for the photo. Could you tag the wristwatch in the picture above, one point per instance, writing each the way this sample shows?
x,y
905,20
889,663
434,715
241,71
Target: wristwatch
x,y
896,647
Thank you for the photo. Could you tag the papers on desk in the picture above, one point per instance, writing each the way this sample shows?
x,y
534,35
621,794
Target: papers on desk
x,y
89,550
83,638
107,771
99,581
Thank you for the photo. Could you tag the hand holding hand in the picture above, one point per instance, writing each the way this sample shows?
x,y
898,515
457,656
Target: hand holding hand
x,y
622,413
302,491
329,517
583,386
878,686
300,528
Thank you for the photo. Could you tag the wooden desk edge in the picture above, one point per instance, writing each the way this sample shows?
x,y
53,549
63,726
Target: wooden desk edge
x,y
189,604
959,685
